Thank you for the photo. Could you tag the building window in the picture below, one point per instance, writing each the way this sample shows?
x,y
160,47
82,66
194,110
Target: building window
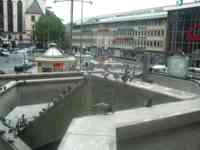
x,y
10,15
158,44
154,43
20,37
151,33
162,32
33,18
19,15
155,33
158,32
1,16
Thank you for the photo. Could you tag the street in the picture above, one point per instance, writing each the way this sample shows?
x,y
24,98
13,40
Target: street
x,y
7,64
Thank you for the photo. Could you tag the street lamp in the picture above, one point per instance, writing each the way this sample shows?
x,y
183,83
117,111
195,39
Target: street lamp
x,y
71,20
81,29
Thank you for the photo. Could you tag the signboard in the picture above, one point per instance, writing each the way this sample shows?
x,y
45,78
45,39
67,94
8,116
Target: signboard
x,y
192,35
58,66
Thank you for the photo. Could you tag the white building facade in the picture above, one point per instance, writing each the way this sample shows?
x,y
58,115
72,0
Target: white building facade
x,y
121,35
18,16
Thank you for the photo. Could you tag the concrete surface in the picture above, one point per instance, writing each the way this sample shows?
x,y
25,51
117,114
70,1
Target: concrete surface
x,y
17,143
128,128
26,76
175,83
96,133
33,92
94,90
30,111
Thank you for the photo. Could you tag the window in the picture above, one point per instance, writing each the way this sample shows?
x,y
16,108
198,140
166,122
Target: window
x,y
19,15
158,32
158,44
10,15
1,16
155,33
154,43
162,32
33,18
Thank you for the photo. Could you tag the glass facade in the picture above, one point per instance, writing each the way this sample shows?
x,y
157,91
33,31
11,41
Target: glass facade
x,y
184,30
19,15
1,17
10,16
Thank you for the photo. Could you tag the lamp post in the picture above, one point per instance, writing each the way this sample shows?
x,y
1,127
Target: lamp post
x,y
81,29
71,21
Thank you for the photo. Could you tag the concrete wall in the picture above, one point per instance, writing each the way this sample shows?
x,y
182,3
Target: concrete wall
x,y
52,125
184,138
4,146
185,85
8,101
30,94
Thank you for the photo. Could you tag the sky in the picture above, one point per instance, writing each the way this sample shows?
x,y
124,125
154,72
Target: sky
x,y
101,7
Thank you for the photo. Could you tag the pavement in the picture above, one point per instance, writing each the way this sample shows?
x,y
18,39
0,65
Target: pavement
x,y
7,64
30,112
104,132
153,87
17,143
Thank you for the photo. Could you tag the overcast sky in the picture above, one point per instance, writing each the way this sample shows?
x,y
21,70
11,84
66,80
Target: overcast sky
x,y
100,7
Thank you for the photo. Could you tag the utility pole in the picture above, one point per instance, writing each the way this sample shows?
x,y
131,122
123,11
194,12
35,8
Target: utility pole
x,y
71,26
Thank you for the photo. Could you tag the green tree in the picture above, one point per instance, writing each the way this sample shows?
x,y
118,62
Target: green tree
x,y
49,28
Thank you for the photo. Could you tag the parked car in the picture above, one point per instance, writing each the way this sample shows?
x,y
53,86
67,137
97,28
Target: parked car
x,y
2,72
23,68
4,52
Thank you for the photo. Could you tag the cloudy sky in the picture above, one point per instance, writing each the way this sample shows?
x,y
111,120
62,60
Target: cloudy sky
x,y
100,7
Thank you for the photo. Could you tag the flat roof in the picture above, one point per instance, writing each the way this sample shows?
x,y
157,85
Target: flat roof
x,y
143,14
55,59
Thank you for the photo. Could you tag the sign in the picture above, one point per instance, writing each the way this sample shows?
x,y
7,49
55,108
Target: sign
x,y
58,65
191,35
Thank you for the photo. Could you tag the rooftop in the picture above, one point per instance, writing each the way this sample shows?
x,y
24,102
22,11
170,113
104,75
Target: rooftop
x,y
53,52
150,13
34,8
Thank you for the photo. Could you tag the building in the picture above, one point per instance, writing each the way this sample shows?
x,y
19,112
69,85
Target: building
x,y
54,60
18,16
149,30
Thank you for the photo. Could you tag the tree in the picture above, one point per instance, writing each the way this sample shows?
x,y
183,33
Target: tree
x,y
49,28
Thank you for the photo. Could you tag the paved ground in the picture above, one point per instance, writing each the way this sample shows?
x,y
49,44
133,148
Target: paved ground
x,y
30,112
17,143
4,145
2,82
7,63
173,128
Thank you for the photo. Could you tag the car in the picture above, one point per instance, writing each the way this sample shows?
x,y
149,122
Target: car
x,y
23,68
2,72
4,52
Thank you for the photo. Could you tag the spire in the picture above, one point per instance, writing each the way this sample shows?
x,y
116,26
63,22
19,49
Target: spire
x,y
34,8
